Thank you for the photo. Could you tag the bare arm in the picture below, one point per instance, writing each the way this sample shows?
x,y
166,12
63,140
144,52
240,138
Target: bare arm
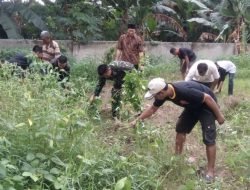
x,y
219,87
186,61
145,114
214,83
209,101
118,55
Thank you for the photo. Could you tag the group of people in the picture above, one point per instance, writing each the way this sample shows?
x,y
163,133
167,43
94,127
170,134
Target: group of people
x,y
196,93
48,53
207,72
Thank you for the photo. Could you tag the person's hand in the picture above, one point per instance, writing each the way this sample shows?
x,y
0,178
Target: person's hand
x,y
216,91
91,99
221,119
133,123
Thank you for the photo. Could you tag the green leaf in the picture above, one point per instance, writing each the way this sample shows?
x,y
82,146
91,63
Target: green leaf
x,y
17,178
58,185
41,156
50,177
201,21
20,125
197,3
9,26
3,171
35,163
55,171
57,161
30,16
31,175
30,157
123,184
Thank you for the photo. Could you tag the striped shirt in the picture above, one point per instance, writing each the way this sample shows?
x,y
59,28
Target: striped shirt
x,y
51,51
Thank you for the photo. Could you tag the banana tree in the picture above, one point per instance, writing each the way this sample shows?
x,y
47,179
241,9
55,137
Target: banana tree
x,y
79,21
178,19
11,15
238,14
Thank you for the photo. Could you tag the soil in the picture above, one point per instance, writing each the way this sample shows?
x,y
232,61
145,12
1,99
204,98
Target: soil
x,y
166,117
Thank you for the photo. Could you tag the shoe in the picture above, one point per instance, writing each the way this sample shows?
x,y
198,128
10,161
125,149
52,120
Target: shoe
x,y
209,179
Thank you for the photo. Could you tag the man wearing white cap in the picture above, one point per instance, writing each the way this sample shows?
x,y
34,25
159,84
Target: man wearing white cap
x,y
199,104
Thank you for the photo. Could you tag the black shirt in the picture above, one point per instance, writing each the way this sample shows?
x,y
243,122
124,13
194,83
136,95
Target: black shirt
x,y
63,73
223,73
116,76
183,52
20,60
189,95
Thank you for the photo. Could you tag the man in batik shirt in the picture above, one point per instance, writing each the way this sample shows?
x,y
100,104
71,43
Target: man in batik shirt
x,y
130,47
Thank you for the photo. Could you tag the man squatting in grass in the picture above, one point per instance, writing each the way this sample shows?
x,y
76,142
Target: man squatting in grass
x,y
199,104
115,71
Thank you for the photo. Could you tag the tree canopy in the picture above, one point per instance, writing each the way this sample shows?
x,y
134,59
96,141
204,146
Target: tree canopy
x,y
88,20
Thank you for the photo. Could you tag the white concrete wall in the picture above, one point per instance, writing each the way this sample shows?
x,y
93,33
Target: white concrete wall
x,y
97,49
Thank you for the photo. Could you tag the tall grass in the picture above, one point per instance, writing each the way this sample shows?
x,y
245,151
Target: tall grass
x,y
51,138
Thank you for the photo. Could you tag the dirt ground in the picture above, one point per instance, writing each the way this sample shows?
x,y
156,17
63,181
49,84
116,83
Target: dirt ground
x,y
165,118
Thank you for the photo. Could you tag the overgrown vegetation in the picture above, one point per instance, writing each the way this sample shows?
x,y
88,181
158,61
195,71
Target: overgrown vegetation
x,y
51,138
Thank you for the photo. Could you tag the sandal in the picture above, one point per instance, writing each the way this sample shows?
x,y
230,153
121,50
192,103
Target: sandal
x,y
209,179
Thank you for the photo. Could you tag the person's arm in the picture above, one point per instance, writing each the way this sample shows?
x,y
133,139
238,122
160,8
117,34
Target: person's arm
x,y
119,49
214,83
118,55
98,89
216,75
209,101
186,62
190,74
219,87
57,52
145,114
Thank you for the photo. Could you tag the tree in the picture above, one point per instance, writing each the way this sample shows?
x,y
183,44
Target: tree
x,y
179,20
12,17
238,14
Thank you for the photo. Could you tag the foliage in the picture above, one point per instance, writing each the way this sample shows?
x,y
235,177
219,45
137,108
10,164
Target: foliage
x,y
12,18
50,138
134,87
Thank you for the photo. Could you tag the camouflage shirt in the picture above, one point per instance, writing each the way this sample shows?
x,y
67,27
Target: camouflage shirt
x,y
119,69
130,46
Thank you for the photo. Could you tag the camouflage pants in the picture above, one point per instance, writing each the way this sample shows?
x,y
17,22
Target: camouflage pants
x,y
116,102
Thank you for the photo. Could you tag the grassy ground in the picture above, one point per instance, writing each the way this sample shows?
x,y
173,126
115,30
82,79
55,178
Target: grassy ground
x,y
52,138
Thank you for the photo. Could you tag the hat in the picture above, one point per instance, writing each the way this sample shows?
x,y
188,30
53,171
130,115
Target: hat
x,y
131,26
45,34
155,86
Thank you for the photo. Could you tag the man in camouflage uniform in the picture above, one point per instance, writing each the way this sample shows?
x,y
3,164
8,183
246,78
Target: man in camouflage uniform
x,y
115,71
130,47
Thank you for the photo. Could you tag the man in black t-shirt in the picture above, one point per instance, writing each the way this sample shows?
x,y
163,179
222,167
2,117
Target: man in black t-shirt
x,y
187,58
199,104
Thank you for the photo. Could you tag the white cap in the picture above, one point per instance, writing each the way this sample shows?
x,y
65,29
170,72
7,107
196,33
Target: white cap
x,y
155,86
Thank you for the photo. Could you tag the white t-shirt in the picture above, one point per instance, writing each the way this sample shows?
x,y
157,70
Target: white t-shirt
x,y
227,65
211,74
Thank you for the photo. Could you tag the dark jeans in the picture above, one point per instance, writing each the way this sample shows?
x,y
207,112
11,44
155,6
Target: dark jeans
x,y
230,83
